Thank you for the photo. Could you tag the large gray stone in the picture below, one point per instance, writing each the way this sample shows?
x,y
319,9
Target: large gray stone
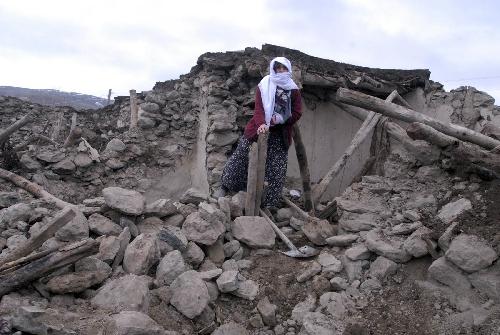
x,y
317,231
194,254
171,266
267,311
17,212
452,210
354,222
315,323
116,145
247,289
141,254
415,245
358,252
132,323
101,225
201,231
330,265
174,237
302,308
193,196
353,269
470,253
76,282
129,292
161,208
108,249
190,294
446,273
231,328
75,230
487,281
382,245
254,231
312,269
228,281
382,267
126,201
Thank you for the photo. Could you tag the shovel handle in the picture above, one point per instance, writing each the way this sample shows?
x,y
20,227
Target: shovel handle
x,y
279,232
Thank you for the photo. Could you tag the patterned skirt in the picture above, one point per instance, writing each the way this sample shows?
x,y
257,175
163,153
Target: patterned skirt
x,y
234,176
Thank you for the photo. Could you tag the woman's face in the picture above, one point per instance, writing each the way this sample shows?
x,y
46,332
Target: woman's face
x,y
280,68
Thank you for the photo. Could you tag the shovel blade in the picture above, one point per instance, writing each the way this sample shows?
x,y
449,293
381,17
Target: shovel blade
x,y
303,252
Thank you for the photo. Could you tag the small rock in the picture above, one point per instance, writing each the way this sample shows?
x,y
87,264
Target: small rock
x,y
448,274
411,215
201,231
76,282
342,240
190,294
415,245
317,231
129,292
126,201
231,328
101,225
171,266
115,145
267,311
390,248
302,308
382,267
161,208
174,237
330,265
358,252
339,284
452,210
193,254
132,322
254,231
284,214
247,289
193,196
228,281
313,268
141,254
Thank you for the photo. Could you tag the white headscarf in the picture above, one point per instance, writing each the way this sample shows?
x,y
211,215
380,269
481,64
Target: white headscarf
x,y
269,83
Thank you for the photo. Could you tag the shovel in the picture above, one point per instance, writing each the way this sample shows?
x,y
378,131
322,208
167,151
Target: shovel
x,y
302,252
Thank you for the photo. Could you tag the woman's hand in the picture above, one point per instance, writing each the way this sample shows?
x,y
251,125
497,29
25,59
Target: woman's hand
x,y
263,128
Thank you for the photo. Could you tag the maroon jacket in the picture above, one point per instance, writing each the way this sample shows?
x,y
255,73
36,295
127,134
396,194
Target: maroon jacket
x,y
259,118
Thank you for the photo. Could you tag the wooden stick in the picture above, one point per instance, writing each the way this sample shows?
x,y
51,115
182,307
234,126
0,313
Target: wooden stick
x,y
33,138
4,135
45,265
368,124
402,113
134,110
300,150
261,168
60,220
298,210
253,156
58,126
8,267
33,188
74,134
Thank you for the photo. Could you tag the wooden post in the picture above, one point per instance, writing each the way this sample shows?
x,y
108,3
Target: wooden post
x,y
300,150
33,188
74,133
4,135
134,110
368,124
253,156
60,220
405,114
109,96
261,169
42,266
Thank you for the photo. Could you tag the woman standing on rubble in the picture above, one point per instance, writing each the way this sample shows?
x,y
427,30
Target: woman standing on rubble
x,y
277,108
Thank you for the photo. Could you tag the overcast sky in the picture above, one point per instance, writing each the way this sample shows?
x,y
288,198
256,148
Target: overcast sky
x,y
90,46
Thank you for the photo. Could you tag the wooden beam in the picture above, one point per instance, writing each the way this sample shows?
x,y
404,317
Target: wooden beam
x,y
368,125
300,150
5,134
35,242
33,188
42,266
253,156
134,110
405,114
261,169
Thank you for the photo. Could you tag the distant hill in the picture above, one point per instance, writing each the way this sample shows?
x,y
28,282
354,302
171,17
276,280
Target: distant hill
x,y
54,97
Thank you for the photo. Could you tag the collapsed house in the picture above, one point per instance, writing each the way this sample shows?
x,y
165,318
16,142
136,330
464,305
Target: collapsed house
x,y
125,224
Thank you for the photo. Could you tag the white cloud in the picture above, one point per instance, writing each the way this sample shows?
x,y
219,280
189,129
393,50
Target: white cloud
x,y
90,46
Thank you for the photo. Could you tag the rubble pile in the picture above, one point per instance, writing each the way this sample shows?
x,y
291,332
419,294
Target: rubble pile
x,y
412,250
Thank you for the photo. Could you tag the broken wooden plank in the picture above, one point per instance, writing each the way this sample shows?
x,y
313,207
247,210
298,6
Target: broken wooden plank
x,y
5,134
305,175
366,128
33,188
253,156
405,114
42,266
261,168
134,110
35,242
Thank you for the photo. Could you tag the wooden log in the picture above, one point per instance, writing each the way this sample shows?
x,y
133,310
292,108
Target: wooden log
x,y
60,220
11,266
34,138
300,150
261,168
5,134
134,110
253,156
402,113
366,128
33,188
462,153
42,266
